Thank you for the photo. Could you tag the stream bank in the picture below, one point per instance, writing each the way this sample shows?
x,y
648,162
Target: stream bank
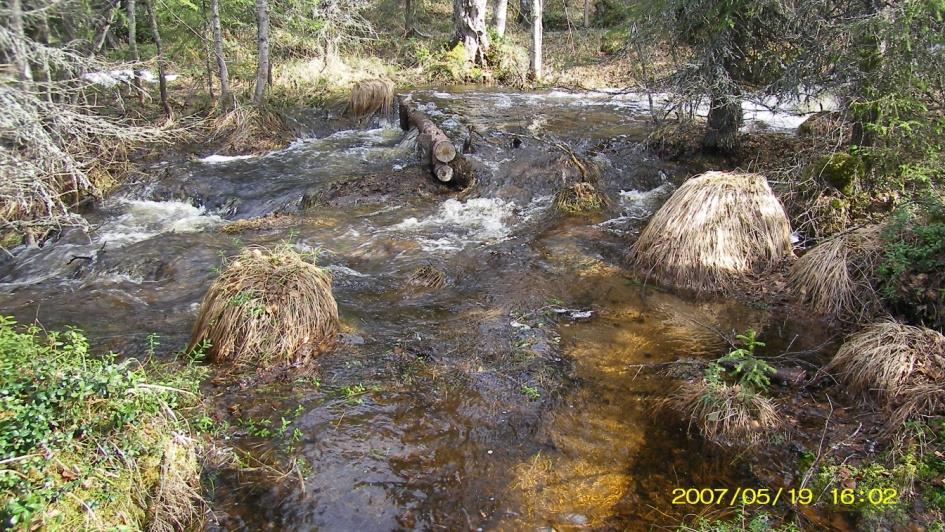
x,y
506,399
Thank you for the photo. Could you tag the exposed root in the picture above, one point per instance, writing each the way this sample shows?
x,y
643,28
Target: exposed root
x,y
714,232
900,366
369,97
836,277
726,414
267,307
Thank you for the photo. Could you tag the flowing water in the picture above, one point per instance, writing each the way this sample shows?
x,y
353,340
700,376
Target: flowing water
x,y
512,398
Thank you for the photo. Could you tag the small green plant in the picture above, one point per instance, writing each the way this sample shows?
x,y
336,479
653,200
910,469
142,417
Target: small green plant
x,y
80,427
741,365
531,392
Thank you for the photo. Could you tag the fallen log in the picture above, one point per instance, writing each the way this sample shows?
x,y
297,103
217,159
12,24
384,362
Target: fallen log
x,y
437,151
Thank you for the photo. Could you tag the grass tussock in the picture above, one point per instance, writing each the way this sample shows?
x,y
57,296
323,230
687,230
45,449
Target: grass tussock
x,y
726,414
837,277
427,277
580,198
245,130
714,232
901,366
268,306
271,220
370,97
90,443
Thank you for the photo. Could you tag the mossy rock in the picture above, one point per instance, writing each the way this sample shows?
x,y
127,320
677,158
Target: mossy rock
x,y
840,170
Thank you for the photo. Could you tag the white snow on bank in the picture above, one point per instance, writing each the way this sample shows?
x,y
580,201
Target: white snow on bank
x,y
125,75
142,219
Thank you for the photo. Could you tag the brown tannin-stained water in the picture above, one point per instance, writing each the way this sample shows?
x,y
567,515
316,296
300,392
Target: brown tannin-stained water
x,y
511,398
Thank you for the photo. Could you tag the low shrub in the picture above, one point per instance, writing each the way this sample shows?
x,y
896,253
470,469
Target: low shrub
x,y
91,442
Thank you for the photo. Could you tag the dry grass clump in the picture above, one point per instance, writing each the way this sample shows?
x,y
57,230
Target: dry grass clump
x,y
713,232
726,414
249,130
427,277
260,222
175,503
267,306
900,366
580,198
369,97
836,277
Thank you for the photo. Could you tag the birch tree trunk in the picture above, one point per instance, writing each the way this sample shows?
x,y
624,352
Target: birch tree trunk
x,y
499,13
262,41
226,97
469,18
536,67
130,9
207,49
23,70
162,79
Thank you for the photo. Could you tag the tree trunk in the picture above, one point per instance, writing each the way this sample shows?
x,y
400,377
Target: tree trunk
x,y
722,125
207,48
162,79
587,13
107,19
437,151
226,97
499,13
262,41
130,9
524,12
23,70
408,18
469,18
537,9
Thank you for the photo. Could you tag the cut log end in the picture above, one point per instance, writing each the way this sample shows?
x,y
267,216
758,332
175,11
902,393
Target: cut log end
x,y
443,172
444,151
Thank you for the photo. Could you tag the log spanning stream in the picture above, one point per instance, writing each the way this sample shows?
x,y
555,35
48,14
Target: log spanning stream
x,y
508,399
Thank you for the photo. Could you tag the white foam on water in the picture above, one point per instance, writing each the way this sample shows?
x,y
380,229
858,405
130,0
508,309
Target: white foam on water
x,y
344,270
457,223
217,159
142,219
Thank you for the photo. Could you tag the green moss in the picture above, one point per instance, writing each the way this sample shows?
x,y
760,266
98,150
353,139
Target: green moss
x,y
841,171
10,239
82,436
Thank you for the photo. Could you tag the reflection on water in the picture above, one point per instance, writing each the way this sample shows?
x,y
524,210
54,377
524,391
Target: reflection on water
x,y
481,404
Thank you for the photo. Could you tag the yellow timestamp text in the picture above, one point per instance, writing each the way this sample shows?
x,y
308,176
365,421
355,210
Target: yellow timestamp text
x,y
792,496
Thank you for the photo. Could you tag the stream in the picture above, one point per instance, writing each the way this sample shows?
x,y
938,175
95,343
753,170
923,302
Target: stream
x,y
510,399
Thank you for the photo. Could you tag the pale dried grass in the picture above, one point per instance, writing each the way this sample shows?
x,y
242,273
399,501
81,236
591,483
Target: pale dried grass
x,y
900,366
580,198
268,306
176,503
370,97
836,277
725,414
427,277
713,233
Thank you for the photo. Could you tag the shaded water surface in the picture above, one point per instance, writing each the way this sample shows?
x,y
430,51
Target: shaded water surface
x,y
512,398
